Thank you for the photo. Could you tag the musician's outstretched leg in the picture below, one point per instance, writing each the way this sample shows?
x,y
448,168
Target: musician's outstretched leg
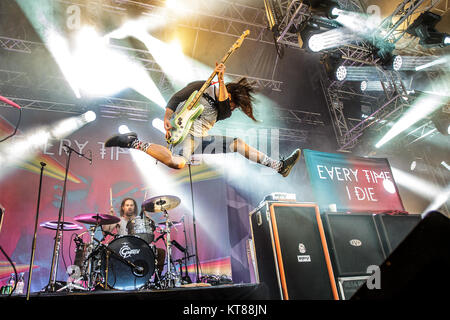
x,y
160,153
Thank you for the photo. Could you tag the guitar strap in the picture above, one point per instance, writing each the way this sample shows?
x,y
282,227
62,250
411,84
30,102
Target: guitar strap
x,y
210,100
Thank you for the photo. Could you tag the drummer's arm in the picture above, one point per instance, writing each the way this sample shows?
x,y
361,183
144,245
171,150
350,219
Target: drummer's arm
x,y
110,227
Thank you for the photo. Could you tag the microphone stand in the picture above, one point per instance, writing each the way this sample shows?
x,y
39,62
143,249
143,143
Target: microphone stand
x,y
197,276
56,248
33,246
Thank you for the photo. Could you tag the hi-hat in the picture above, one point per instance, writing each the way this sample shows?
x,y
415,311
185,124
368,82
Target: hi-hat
x,y
97,218
64,226
161,203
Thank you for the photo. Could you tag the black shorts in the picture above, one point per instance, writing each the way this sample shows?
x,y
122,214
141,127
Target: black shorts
x,y
203,145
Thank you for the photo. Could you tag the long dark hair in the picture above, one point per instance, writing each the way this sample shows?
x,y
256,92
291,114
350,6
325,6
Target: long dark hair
x,y
123,203
242,94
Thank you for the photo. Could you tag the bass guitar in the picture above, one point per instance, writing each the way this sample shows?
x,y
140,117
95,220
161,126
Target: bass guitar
x,y
183,119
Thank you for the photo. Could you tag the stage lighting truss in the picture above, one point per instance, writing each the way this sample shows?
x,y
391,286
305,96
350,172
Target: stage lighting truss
x,y
386,107
393,29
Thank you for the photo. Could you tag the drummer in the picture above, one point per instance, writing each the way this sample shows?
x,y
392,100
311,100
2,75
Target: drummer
x,y
128,212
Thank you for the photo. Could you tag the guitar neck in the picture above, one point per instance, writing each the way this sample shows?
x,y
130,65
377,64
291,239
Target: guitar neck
x,y
208,82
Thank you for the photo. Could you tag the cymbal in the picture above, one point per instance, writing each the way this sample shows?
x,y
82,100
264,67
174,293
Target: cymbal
x,y
161,203
97,218
64,226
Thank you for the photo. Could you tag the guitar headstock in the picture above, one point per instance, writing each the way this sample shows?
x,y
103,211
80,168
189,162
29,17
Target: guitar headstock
x,y
239,41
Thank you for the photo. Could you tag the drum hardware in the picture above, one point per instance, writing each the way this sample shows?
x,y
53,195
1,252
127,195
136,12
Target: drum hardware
x,y
65,226
62,226
33,246
170,276
162,204
95,220
71,284
54,270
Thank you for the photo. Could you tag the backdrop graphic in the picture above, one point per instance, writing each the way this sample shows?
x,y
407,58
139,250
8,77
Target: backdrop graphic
x,y
352,183
113,171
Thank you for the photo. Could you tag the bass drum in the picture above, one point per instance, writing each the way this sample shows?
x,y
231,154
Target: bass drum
x,y
121,276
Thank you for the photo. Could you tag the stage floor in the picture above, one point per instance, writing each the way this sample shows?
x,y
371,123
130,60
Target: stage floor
x,y
236,292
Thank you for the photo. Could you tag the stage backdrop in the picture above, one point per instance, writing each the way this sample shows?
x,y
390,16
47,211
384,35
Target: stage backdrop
x,y
114,173
352,183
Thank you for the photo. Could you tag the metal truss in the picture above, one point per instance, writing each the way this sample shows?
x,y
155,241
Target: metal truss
x,y
425,130
47,105
395,100
395,25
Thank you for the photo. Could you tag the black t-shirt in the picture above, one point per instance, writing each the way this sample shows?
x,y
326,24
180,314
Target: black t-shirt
x,y
223,107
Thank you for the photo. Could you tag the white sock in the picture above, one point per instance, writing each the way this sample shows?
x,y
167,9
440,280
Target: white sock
x,y
271,163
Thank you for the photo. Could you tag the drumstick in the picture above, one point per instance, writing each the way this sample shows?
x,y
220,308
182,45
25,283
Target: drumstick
x,y
110,197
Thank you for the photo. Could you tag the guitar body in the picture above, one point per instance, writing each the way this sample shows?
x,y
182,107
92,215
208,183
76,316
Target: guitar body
x,y
183,119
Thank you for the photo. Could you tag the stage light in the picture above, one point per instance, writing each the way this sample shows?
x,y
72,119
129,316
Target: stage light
x,y
123,129
365,73
447,40
415,184
441,198
397,63
334,12
172,4
432,64
441,121
341,73
93,68
158,124
89,116
331,39
413,165
24,147
178,68
363,85
422,107
417,63
389,186
424,28
445,165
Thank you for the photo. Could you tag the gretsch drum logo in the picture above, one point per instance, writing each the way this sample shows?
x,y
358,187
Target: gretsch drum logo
x,y
355,242
127,252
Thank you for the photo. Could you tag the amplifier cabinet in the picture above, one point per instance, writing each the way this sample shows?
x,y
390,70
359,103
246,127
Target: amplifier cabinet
x,y
291,251
395,228
355,243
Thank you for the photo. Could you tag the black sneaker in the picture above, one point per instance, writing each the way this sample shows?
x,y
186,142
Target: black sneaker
x,y
289,162
121,140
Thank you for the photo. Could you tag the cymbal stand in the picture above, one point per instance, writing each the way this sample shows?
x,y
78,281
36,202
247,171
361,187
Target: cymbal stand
x,y
89,250
169,276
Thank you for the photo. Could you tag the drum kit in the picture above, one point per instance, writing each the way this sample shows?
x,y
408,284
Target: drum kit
x,y
128,262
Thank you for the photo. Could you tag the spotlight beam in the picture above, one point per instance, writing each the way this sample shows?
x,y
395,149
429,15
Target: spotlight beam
x,y
421,108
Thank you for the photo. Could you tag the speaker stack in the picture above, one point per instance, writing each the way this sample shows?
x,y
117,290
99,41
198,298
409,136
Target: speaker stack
x,y
291,251
301,254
